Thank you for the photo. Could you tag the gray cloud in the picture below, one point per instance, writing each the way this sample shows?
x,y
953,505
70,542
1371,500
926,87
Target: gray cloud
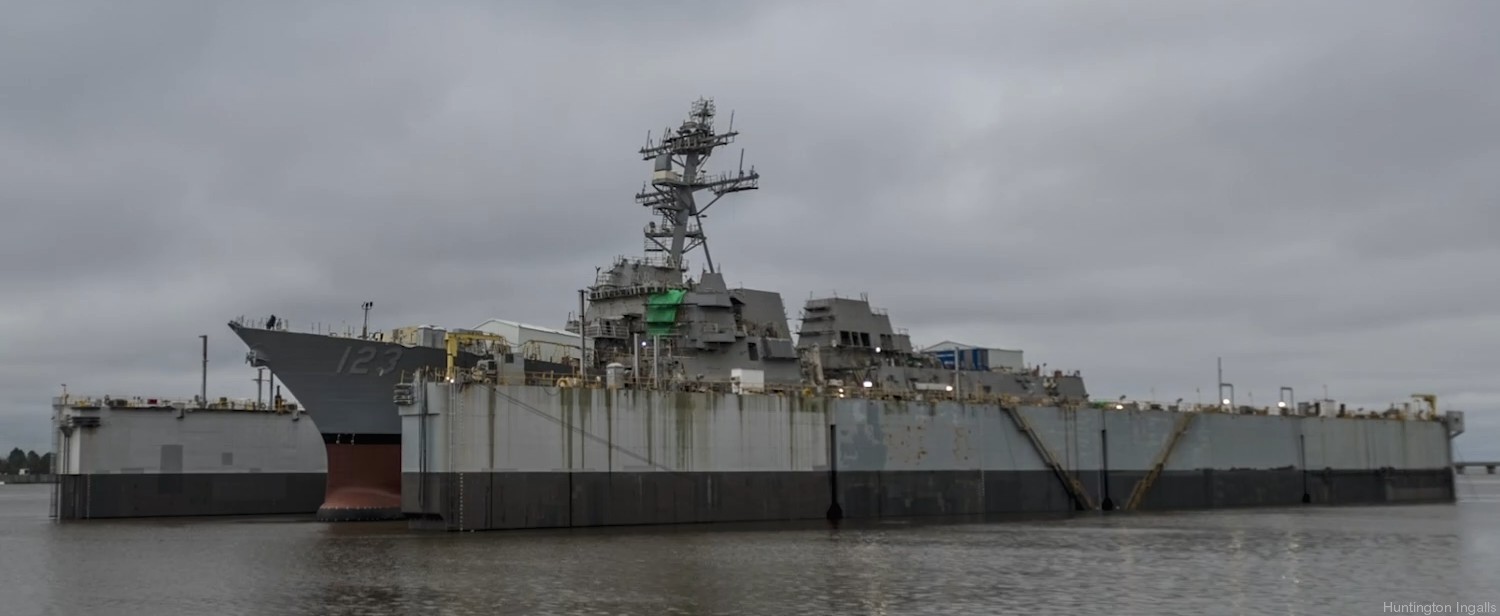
x,y
1305,190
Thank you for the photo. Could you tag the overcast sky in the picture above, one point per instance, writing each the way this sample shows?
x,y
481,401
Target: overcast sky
x,y
1308,190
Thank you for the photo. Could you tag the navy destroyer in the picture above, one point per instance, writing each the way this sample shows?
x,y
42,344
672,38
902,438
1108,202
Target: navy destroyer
x,y
695,404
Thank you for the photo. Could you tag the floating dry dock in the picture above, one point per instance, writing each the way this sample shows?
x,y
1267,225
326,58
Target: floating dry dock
x,y
696,404
494,456
146,457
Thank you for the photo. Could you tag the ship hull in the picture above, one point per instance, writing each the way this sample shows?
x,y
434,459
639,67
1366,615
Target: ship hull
x,y
363,482
345,385
501,457
140,462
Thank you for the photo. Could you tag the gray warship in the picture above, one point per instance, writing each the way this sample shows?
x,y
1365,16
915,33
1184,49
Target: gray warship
x,y
695,404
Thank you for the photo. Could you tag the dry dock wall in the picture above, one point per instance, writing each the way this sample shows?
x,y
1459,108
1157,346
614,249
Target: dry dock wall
x,y
148,462
28,479
479,457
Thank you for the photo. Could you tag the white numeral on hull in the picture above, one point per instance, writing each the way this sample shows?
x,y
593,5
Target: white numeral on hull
x,y
363,357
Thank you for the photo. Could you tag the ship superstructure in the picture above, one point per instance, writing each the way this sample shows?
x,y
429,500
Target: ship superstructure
x,y
659,325
650,314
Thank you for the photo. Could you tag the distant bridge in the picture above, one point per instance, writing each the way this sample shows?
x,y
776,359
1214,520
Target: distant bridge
x,y
1489,467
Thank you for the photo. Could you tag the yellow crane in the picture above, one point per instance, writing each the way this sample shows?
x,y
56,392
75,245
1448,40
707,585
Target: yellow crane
x,y
454,339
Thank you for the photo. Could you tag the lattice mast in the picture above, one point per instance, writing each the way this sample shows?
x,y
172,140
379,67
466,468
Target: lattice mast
x,y
679,157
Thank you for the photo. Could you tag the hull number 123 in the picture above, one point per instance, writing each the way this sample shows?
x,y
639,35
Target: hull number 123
x,y
360,362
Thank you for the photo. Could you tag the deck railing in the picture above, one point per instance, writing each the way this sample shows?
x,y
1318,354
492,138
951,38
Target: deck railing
x,y
646,383
142,403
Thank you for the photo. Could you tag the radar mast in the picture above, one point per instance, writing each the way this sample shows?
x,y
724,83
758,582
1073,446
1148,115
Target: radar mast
x,y
679,157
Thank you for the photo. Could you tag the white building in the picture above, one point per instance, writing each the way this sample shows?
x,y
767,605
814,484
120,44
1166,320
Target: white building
x,y
548,343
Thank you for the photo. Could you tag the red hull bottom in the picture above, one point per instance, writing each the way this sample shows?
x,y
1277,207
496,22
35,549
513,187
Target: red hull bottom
x,y
364,483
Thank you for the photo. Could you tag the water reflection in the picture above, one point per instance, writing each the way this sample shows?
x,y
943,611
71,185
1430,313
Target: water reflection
x,y
1293,561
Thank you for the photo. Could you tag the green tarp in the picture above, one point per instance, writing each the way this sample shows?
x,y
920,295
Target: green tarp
x,y
661,312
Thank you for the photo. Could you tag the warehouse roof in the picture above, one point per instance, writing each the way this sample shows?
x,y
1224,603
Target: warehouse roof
x,y
949,344
526,326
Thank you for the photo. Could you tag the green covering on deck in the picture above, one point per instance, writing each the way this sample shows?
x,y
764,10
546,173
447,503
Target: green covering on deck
x,y
661,312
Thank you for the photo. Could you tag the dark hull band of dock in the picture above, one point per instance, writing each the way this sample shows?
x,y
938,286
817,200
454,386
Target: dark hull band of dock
x,y
81,497
500,501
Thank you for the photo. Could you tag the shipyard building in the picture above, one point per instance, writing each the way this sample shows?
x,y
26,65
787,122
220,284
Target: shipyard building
x,y
970,357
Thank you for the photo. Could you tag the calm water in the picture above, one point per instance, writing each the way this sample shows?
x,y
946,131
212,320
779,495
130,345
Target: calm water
x,y
1297,561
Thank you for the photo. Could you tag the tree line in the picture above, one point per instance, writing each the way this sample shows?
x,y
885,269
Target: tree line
x,y
28,461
